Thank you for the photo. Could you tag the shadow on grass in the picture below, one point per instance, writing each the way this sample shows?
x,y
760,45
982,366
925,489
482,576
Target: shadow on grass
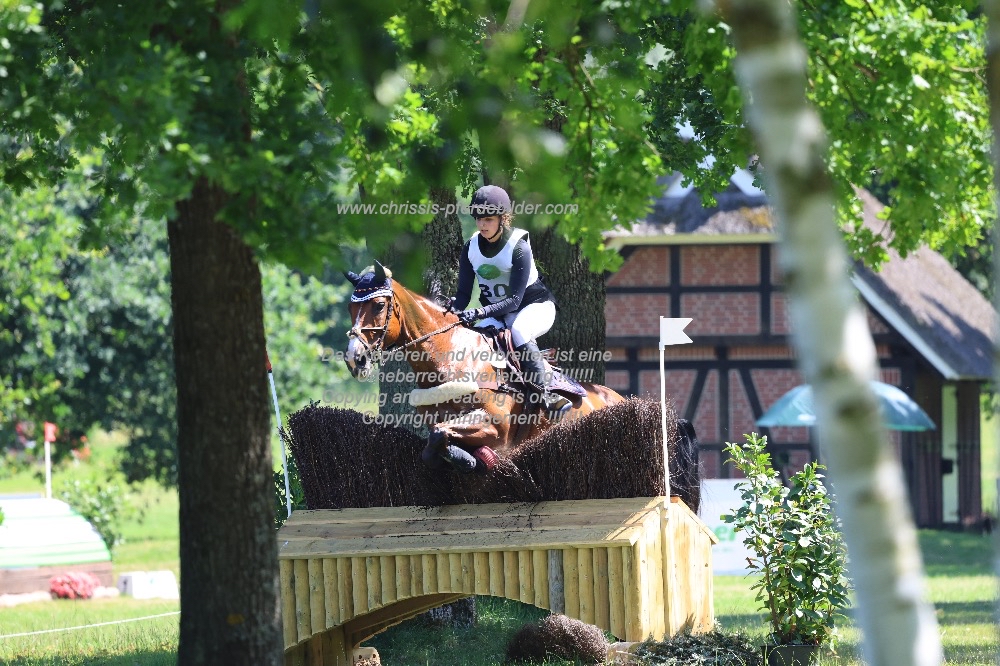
x,y
414,643
965,612
956,553
140,658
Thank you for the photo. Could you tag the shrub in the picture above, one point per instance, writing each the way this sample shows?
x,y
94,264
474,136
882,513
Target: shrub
x,y
105,506
73,585
560,637
797,546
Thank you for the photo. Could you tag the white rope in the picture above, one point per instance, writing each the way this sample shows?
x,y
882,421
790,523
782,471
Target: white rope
x,y
88,626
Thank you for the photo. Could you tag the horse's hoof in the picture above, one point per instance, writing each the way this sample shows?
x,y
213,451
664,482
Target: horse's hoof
x,y
486,459
437,443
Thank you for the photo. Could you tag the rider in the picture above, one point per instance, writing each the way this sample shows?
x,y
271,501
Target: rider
x,y
510,288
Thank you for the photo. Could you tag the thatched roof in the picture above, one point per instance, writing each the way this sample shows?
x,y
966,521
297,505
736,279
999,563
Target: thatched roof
x,y
930,304
922,297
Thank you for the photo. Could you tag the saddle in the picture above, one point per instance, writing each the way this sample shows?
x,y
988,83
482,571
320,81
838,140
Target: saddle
x,y
502,345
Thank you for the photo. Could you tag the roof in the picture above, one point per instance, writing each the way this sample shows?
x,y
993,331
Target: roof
x,y
932,305
940,313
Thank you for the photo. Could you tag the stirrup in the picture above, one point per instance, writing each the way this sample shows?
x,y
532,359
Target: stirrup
x,y
556,406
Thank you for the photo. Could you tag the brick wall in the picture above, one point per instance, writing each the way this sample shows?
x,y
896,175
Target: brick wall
x,y
635,314
721,314
644,267
720,265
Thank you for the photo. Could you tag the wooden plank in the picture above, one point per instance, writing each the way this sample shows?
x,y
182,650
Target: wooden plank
x,y
373,574
571,583
387,567
428,564
331,593
303,624
340,650
295,656
669,530
510,580
345,589
466,542
632,561
589,507
699,524
557,584
286,577
444,572
525,577
496,574
539,578
403,580
469,573
481,563
359,576
654,569
498,523
616,591
314,650
602,611
455,570
317,591
585,575
416,575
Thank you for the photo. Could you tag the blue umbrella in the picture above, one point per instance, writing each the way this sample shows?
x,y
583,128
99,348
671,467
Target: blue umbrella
x,y
899,411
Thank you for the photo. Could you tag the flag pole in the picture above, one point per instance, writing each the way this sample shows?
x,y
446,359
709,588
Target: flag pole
x,y
277,415
671,333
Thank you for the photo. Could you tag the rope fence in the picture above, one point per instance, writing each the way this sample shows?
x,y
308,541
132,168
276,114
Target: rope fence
x,y
88,626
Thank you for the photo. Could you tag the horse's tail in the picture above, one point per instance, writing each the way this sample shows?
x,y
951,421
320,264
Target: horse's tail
x,y
685,477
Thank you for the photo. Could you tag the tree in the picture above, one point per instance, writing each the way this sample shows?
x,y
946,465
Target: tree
x,y
836,351
245,123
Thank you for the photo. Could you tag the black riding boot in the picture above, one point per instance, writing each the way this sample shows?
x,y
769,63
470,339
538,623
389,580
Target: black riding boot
x,y
533,369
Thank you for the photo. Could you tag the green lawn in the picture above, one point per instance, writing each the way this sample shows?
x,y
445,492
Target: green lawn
x,y
960,582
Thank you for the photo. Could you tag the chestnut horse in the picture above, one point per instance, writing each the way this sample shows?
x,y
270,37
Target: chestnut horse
x,y
469,409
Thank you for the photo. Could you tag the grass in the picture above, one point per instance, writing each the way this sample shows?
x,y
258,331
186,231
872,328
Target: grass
x,y
960,582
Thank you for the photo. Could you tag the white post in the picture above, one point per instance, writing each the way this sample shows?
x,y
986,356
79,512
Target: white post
x,y
48,469
671,333
284,458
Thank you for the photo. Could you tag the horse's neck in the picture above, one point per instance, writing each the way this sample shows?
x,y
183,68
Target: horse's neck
x,y
455,354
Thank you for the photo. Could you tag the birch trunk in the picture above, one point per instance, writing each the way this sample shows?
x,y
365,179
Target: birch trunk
x,y
992,10
832,339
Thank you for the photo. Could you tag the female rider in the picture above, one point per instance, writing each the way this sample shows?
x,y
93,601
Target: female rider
x,y
511,290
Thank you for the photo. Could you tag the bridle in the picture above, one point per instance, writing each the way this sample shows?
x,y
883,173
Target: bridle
x,y
374,350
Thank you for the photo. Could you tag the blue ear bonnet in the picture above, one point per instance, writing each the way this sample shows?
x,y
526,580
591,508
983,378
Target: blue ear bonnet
x,y
369,287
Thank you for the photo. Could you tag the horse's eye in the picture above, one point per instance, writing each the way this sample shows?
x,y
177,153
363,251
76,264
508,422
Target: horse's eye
x,y
379,306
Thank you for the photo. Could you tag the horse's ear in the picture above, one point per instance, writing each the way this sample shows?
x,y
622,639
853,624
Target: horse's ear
x,y
353,277
379,272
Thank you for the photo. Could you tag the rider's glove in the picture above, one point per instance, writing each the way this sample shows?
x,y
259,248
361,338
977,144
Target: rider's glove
x,y
470,316
450,307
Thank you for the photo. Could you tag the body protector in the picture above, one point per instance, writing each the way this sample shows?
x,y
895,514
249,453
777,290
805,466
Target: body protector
x,y
494,272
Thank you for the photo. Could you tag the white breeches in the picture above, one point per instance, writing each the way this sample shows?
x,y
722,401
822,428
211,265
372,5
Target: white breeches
x,y
530,323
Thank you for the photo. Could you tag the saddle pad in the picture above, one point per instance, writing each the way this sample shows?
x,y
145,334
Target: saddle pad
x,y
567,385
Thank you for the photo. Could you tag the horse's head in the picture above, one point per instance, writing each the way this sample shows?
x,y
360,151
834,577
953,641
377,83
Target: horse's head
x,y
375,313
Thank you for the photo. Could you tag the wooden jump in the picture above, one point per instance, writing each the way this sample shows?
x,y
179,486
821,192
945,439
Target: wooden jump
x,y
636,567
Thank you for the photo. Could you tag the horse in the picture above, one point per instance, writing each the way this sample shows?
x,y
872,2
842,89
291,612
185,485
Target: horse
x,y
474,414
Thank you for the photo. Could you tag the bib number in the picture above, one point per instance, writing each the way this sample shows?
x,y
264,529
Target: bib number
x,y
497,293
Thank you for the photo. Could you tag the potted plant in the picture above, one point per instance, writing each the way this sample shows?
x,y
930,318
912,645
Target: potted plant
x,y
798,550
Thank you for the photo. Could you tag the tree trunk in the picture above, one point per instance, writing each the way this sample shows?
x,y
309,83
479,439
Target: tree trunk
x,y
992,10
835,348
229,573
580,324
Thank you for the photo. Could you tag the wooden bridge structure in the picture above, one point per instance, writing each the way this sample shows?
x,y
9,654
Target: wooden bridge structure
x,y
635,567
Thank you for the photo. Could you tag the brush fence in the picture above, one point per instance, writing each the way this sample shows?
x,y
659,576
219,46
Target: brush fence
x,y
636,567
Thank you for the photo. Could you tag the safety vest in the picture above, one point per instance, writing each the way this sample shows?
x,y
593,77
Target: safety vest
x,y
494,272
